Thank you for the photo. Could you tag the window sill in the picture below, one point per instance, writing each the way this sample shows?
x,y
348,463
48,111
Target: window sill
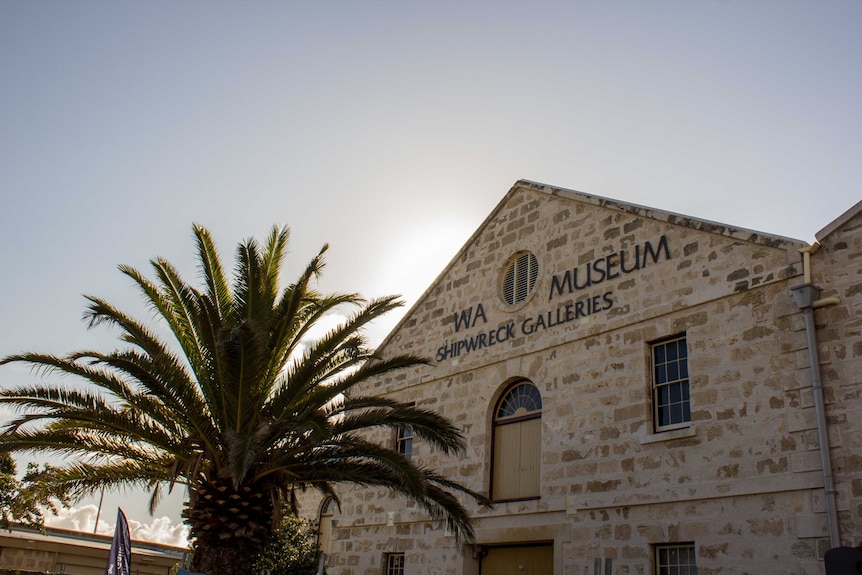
x,y
690,431
516,500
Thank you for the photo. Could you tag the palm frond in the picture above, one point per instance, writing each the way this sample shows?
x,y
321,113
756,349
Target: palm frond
x,y
83,479
273,255
362,413
181,313
218,288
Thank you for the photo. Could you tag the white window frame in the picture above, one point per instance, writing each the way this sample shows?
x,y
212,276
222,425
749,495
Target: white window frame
x,y
670,377
404,442
675,559
394,564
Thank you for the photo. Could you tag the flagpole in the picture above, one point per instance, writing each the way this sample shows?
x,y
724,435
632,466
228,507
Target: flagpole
x,y
99,511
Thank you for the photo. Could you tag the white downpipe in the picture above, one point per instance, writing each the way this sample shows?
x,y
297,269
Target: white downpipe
x,y
806,298
822,430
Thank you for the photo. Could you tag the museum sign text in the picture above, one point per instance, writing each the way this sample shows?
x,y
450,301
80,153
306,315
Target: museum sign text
x,y
572,281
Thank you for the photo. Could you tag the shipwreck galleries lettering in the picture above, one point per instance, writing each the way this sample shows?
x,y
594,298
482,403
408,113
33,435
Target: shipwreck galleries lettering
x,y
571,281
510,330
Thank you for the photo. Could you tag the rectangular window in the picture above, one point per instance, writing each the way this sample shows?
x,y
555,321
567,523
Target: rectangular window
x,y
675,559
395,564
404,443
671,400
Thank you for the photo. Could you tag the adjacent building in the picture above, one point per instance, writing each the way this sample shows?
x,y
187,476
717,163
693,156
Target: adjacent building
x,y
25,551
641,392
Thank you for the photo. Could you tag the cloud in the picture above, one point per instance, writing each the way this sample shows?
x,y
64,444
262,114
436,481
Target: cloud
x,y
77,519
159,530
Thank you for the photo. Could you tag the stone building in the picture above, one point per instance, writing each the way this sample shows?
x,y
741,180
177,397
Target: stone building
x,y
25,551
637,395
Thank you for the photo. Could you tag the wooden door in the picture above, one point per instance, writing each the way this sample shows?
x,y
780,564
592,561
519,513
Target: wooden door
x,y
520,560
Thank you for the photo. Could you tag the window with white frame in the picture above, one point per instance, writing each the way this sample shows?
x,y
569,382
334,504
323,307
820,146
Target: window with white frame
x,y
404,442
671,395
394,564
675,559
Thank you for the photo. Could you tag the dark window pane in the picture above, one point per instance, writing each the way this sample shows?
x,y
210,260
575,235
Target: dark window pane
x,y
662,556
664,416
671,351
678,559
675,393
524,395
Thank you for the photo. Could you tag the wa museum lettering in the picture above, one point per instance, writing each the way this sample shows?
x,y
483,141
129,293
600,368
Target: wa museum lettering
x,y
609,267
571,281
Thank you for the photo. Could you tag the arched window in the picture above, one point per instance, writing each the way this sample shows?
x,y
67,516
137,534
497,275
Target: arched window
x,y
327,512
517,443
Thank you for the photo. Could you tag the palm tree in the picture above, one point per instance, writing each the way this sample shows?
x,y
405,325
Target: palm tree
x,y
240,408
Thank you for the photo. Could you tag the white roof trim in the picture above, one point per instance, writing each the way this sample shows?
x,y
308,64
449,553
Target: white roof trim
x,y
839,221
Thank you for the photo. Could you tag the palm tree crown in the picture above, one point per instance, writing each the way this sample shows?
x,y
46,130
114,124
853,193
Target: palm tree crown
x,y
242,408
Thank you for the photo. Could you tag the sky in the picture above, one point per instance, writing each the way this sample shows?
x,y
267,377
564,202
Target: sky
x,y
389,130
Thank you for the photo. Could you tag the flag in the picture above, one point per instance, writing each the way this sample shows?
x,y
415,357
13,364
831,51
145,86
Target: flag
x,y
120,559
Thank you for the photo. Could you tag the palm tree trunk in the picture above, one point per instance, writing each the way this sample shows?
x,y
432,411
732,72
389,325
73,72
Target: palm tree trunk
x,y
229,527
226,559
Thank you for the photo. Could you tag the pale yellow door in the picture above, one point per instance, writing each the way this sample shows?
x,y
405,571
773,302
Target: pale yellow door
x,y
532,560
507,462
517,451
531,450
325,535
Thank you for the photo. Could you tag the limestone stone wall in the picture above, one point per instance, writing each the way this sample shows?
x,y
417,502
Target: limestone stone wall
x,y
743,482
837,269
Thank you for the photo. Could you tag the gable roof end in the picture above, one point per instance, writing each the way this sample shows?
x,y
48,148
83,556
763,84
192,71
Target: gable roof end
x,y
707,226
743,234
839,221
